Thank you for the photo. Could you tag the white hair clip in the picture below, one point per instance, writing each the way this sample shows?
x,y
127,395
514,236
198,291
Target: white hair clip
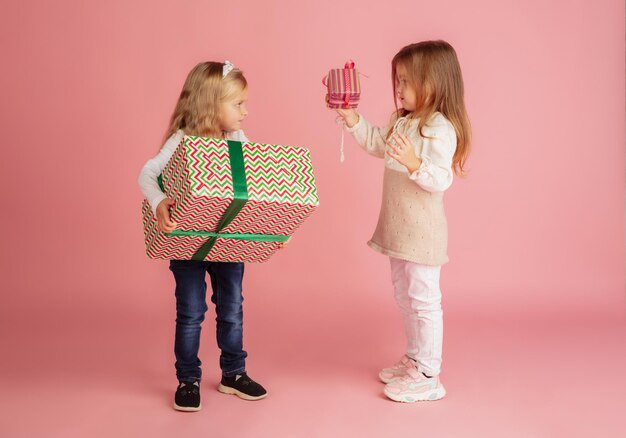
x,y
228,67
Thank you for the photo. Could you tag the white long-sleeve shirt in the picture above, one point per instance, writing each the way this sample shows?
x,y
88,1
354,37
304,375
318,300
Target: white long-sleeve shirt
x,y
435,173
154,167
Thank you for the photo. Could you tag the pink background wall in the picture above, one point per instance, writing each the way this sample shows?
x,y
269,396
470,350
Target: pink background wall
x,y
538,225
536,230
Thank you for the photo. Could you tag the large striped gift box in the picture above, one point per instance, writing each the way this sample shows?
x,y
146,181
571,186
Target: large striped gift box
x,y
234,201
344,88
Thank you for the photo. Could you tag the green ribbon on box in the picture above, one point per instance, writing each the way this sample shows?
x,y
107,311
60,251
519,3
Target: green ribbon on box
x,y
240,189
239,236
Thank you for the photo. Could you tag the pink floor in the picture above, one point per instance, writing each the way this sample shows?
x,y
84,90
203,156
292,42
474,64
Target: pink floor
x,y
505,378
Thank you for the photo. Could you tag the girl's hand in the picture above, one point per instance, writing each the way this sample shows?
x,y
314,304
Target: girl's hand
x,y
164,222
401,150
349,116
282,245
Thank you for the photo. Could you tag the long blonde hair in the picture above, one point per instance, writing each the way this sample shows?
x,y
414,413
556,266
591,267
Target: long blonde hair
x,y
197,109
433,69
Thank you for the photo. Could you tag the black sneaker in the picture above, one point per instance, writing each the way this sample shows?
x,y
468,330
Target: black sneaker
x,y
242,386
187,397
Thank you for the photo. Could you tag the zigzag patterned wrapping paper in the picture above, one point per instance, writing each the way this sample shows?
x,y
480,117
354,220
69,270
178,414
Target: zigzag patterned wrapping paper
x,y
281,194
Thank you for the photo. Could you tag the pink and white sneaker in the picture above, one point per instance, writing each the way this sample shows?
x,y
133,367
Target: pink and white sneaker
x,y
397,370
414,386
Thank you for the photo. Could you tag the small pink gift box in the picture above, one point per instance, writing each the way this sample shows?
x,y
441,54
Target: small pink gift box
x,y
344,89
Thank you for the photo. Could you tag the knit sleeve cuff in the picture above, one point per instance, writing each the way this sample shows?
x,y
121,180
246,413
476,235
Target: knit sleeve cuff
x,y
356,126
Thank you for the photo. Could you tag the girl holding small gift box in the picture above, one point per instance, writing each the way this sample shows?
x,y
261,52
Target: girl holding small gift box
x,y
212,103
426,142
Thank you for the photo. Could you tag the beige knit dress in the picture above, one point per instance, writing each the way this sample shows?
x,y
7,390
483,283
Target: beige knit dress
x,y
412,222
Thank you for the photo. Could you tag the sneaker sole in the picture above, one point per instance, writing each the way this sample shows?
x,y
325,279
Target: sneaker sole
x,y
228,390
187,408
436,394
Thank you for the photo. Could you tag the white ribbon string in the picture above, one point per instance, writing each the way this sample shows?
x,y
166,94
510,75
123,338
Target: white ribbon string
x,y
341,155
340,121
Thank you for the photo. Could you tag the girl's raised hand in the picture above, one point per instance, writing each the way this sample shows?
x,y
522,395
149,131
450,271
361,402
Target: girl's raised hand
x,y
401,150
164,221
349,116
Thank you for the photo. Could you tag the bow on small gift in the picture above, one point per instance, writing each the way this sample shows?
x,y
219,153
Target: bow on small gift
x,y
346,79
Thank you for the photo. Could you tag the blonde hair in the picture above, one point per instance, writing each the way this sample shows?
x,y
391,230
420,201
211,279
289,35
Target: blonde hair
x,y
433,69
197,109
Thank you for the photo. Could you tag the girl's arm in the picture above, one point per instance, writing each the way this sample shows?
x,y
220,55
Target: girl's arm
x,y
435,174
432,169
372,139
152,169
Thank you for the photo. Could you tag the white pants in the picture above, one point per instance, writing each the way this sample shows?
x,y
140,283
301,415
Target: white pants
x,y
417,292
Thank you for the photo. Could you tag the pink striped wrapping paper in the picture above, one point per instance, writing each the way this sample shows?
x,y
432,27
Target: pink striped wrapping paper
x,y
344,88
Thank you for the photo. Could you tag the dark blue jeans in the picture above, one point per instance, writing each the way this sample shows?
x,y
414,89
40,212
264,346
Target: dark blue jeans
x,y
226,279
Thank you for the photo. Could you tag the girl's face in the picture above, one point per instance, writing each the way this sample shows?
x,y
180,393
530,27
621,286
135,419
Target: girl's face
x,y
405,91
233,110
